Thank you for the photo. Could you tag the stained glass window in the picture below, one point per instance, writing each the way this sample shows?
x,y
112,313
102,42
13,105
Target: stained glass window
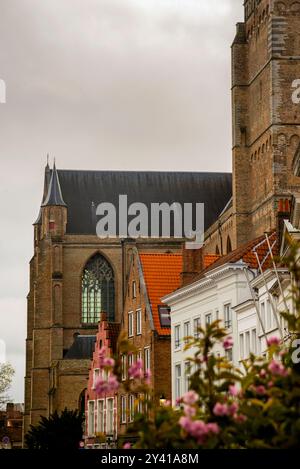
x,y
98,290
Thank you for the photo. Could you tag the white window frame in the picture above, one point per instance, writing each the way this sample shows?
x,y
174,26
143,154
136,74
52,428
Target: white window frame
x,y
242,346
177,336
177,381
96,375
110,415
254,341
208,315
130,324
196,324
131,408
147,358
100,416
186,331
124,367
123,409
91,421
187,375
138,322
227,315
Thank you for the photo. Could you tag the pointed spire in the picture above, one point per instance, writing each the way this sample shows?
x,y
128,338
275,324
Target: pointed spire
x,y
54,195
47,177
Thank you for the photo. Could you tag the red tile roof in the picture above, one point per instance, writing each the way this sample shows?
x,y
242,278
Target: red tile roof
x,y
246,254
162,276
210,259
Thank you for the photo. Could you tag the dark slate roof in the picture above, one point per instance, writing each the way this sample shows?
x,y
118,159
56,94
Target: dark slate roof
x,y
54,196
82,348
84,190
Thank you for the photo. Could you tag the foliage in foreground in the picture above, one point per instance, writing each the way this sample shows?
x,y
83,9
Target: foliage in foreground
x,y
58,432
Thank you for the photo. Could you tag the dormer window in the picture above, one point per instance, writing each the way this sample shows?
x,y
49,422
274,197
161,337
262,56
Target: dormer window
x,y
164,316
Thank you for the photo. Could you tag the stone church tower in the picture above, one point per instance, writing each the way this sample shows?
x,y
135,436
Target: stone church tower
x,y
266,121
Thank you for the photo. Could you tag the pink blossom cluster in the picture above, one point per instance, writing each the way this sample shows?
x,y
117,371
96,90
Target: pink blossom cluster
x,y
135,371
198,429
228,343
273,341
277,369
222,410
103,386
105,362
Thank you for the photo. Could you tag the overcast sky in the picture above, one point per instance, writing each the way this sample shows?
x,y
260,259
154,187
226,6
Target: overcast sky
x,y
103,84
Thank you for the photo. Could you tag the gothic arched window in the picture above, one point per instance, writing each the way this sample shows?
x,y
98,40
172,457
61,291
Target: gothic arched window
x,y
98,290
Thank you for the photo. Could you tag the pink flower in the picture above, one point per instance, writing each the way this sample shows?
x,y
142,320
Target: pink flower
x,y
233,390
190,398
276,368
263,373
185,423
228,343
261,390
213,428
178,401
198,429
270,384
273,341
108,362
240,418
127,446
103,387
189,411
167,403
135,371
220,410
233,408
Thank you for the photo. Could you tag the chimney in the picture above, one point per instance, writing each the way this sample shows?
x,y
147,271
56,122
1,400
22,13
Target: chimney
x,y
192,264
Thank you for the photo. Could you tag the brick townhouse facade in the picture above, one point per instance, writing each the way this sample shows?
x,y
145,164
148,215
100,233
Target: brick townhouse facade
x,y
101,420
146,323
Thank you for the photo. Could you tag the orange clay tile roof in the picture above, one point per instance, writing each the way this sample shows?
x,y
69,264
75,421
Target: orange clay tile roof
x,y
162,276
245,253
210,259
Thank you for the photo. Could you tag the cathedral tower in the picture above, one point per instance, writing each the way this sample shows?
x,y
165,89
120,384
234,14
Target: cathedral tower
x,y
266,120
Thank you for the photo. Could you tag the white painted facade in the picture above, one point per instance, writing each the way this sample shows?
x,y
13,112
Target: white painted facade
x,y
209,299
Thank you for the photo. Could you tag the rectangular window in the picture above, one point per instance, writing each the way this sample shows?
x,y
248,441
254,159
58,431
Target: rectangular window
x,y
123,409
96,376
133,289
247,344
131,408
229,354
124,368
110,416
91,418
177,381
187,376
138,322
242,347
100,416
227,316
254,342
187,331
130,324
208,319
164,316
147,363
269,316
263,314
177,337
217,315
197,324
130,361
